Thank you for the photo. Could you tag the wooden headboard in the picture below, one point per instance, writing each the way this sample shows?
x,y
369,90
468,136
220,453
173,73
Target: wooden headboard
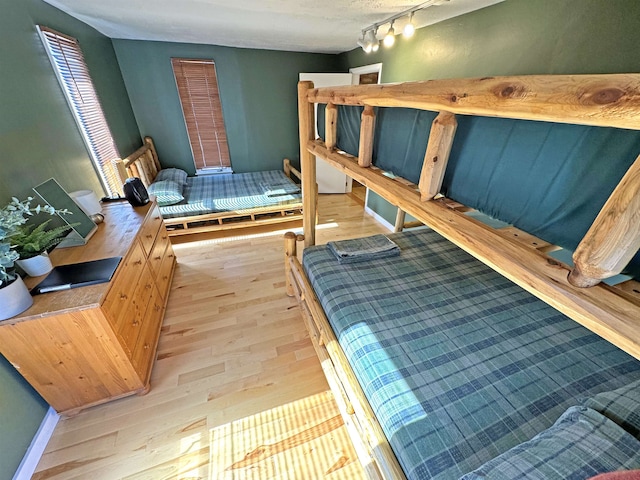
x,y
599,100
143,163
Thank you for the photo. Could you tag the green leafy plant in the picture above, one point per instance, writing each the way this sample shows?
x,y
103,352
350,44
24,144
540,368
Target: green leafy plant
x,y
32,240
12,217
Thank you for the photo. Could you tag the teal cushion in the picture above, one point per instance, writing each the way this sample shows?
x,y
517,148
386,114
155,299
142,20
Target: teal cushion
x,y
582,443
621,405
173,174
167,192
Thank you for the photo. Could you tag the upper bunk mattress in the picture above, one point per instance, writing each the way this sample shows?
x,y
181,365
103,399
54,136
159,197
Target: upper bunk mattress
x,y
237,192
458,363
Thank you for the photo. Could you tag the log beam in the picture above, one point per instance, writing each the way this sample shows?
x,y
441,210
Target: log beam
x,y
443,129
611,100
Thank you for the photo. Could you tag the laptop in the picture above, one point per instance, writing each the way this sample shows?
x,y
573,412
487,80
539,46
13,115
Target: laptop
x,y
65,277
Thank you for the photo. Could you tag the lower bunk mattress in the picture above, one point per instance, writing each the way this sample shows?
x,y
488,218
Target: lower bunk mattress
x,y
458,363
237,192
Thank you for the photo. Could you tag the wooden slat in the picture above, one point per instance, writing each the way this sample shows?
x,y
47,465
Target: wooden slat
x,y
614,236
601,309
307,162
443,129
331,126
367,128
603,100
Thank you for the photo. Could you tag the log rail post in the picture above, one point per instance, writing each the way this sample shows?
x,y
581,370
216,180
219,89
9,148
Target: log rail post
x,y
614,236
443,130
307,163
367,127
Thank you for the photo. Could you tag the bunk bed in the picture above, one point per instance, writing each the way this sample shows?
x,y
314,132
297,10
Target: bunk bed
x,y
468,350
215,202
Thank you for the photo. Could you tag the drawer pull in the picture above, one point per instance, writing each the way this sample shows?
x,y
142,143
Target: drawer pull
x,y
156,218
146,346
147,286
135,323
158,257
123,296
157,308
149,235
170,255
138,262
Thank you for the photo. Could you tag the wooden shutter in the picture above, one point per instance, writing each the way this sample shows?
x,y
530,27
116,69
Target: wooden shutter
x,y
73,74
198,91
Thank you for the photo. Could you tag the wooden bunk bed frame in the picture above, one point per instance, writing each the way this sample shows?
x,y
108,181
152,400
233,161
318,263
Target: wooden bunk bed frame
x,y
144,164
614,237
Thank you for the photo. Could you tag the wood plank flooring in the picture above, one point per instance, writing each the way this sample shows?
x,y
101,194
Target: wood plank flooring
x,y
237,391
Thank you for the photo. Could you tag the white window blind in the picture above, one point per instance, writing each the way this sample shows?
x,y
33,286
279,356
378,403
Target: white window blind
x,y
73,74
198,91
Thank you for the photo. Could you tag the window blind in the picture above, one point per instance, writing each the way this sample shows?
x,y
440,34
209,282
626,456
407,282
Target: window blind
x,y
73,74
199,95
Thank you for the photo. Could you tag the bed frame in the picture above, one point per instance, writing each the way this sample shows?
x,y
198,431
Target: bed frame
x,y
613,239
144,164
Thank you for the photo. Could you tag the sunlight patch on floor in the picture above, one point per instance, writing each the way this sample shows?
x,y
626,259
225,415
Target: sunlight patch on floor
x,y
302,439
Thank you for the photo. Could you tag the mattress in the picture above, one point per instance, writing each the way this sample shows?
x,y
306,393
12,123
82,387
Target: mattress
x,y
237,192
458,363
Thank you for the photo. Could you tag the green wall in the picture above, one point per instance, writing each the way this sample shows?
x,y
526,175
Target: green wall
x,y
39,139
516,37
257,91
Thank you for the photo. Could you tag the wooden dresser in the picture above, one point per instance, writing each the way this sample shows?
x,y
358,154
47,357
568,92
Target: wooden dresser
x,y
89,345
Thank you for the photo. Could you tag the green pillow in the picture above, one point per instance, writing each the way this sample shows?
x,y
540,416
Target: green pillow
x,y
167,192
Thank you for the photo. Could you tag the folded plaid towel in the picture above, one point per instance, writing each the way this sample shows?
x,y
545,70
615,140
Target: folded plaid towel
x,y
277,189
363,249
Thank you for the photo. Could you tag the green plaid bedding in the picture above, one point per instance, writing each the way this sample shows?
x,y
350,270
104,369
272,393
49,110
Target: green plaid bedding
x,y
458,363
239,192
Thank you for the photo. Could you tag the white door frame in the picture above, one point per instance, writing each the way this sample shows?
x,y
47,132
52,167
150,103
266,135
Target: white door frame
x,y
373,68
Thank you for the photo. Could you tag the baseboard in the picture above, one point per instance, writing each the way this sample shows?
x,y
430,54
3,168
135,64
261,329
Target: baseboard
x,y
38,444
379,219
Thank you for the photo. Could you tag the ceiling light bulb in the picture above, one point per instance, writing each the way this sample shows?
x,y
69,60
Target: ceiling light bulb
x,y
389,38
371,41
364,44
409,28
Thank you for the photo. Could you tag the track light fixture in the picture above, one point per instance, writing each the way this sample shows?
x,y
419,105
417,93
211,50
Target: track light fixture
x,y
369,41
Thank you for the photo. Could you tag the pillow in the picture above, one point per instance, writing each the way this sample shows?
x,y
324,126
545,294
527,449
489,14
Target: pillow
x,y
173,174
167,192
582,443
621,405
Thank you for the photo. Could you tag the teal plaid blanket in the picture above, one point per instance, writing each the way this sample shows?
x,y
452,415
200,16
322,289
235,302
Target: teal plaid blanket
x,y
459,363
239,192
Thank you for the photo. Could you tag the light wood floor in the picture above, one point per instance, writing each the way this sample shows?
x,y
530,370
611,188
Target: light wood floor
x,y
237,392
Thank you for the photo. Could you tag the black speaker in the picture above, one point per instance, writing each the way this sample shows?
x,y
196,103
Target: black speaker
x,y
135,192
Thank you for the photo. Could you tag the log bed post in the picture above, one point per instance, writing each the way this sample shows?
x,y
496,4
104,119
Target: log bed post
x,y
290,250
307,163
436,157
614,236
367,127
331,126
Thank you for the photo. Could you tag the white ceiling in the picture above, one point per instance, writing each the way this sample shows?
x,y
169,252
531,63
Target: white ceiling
x,y
328,26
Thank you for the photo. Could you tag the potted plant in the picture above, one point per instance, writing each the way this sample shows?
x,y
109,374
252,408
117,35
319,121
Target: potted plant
x,y
33,242
14,296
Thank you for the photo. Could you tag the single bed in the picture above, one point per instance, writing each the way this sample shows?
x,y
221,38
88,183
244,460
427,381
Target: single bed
x,y
474,348
215,202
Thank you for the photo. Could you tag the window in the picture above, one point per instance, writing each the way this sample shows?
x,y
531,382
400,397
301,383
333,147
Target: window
x,y
73,75
198,91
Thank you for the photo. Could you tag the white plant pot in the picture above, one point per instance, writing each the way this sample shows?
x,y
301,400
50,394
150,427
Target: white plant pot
x,y
36,266
14,299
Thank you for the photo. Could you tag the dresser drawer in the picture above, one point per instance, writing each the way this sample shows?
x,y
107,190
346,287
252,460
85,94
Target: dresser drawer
x,y
158,252
118,300
164,276
130,322
147,342
149,230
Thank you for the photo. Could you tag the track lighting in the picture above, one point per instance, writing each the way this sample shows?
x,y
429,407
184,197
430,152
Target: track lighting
x,y
390,37
369,41
409,29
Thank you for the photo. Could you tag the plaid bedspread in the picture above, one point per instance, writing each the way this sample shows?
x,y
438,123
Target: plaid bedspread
x,y
234,192
458,363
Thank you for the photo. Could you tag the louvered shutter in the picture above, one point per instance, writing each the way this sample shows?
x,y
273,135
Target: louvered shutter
x,y
73,74
198,91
